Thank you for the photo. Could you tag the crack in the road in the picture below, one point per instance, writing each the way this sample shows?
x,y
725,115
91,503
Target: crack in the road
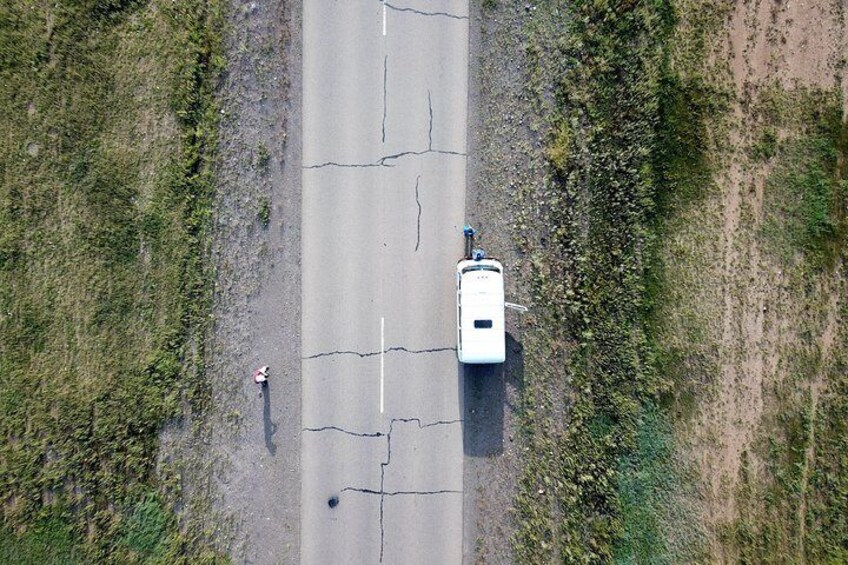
x,y
344,431
385,98
388,461
430,130
373,353
383,493
423,13
383,161
400,492
418,202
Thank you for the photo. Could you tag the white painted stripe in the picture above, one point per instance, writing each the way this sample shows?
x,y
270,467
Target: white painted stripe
x,y
384,17
382,360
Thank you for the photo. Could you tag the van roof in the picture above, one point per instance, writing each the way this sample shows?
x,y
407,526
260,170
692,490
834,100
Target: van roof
x,y
482,313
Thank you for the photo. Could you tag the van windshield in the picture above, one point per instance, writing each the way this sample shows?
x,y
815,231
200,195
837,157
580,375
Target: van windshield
x,y
481,268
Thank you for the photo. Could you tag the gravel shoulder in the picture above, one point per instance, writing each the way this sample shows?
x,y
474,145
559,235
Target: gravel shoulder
x,y
504,166
240,463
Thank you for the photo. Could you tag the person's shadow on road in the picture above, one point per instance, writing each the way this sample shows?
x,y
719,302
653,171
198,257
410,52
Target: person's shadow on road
x,y
270,427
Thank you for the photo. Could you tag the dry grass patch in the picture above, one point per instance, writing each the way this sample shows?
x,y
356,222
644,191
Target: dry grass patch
x,y
103,201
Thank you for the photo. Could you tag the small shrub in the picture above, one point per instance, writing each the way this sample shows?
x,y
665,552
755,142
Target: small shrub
x,y
264,213
559,151
766,147
263,157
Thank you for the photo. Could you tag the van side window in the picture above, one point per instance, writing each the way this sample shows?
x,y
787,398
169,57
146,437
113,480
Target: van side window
x,y
482,324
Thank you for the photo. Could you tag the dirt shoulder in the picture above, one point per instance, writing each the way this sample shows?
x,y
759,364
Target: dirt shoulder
x,y
240,464
504,162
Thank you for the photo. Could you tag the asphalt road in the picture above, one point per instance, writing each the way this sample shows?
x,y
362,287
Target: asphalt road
x,y
384,141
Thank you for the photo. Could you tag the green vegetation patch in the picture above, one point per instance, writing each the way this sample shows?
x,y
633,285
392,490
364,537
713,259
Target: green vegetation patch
x,y
658,524
105,143
807,190
626,148
47,541
147,529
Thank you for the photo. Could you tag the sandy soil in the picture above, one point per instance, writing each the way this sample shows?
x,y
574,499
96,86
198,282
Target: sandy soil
x,y
792,44
240,464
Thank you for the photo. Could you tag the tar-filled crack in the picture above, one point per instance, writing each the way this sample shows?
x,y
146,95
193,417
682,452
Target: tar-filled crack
x,y
373,353
423,13
383,493
385,161
344,431
418,202
430,130
399,492
385,98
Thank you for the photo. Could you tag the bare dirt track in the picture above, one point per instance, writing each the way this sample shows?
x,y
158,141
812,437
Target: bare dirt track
x,y
240,463
755,312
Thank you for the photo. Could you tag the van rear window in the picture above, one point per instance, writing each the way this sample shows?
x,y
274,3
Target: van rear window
x,y
482,324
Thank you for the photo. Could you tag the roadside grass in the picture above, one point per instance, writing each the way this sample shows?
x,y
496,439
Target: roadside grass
x,y
693,123
626,149
628,350
104,204
47,541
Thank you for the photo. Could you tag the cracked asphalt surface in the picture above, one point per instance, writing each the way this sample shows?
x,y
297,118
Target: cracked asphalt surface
x,y
384,165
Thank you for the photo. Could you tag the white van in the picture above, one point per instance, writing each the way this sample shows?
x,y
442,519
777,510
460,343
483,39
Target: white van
x,y
480,336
